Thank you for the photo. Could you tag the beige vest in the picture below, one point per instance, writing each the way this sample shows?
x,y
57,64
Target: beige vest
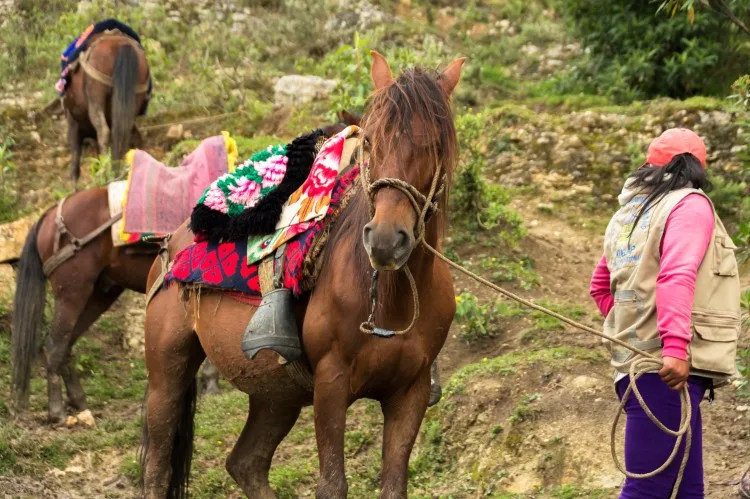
x,y
633,263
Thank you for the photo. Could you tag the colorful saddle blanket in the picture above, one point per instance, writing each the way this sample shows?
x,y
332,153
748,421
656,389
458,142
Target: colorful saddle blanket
x,y
278,193
224,265
156,199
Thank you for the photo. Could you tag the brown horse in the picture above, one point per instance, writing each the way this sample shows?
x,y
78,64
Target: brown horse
x,y
84,287
106,92
410,136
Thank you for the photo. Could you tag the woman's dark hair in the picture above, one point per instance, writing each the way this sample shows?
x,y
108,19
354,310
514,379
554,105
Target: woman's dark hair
x,y
684,171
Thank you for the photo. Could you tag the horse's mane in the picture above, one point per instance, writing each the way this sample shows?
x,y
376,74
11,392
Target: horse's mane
x,y
390,117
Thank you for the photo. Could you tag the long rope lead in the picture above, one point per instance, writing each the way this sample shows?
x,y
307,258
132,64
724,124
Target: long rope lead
x,y
639,367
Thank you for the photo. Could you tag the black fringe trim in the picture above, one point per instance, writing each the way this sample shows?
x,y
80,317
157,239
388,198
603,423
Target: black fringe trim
x,y
261,219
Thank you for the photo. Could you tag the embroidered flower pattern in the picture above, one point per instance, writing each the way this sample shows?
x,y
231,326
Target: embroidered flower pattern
x,y
214,198
246,192
272,171
232,193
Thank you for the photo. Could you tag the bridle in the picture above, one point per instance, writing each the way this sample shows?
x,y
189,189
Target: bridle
x,y
424,206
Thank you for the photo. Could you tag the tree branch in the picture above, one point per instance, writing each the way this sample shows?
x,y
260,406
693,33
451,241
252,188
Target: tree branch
x,y
723,9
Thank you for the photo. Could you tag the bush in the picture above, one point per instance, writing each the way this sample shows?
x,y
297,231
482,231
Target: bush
x,y
474,202
637,53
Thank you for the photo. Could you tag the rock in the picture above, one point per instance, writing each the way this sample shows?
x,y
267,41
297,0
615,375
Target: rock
x,y
743,408
175,132
357,16
585,382
292,90
36,137
74,469
86,418
530,49
12,237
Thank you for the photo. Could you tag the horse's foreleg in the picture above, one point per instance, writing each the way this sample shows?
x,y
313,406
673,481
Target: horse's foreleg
x,y
267,425
75,142
99,120
331,400
403,415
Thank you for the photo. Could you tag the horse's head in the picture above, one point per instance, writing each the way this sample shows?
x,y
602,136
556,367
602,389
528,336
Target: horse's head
x,y
412,143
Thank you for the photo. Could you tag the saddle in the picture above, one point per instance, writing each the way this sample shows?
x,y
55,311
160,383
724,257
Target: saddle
x,y
273,326
277,258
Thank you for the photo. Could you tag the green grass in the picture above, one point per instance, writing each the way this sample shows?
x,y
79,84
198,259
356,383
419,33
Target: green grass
x,y
508,364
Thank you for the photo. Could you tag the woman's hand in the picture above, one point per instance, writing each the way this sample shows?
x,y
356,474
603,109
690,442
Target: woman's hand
x,y
675,372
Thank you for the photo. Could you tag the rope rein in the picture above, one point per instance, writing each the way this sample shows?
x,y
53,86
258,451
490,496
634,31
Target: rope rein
x,y
425,207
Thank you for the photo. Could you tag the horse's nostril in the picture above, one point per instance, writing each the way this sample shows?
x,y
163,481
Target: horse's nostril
x,y
402,239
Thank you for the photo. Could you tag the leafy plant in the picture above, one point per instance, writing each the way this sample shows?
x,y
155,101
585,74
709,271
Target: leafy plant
x,y
8,194
473,318
637,54
101,170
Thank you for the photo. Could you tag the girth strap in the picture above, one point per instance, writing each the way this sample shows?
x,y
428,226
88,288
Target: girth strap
x,y
61,256
271,278
163,242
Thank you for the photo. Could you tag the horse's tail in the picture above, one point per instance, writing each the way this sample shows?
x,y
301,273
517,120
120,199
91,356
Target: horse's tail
x,y
182,447
28,312
125,79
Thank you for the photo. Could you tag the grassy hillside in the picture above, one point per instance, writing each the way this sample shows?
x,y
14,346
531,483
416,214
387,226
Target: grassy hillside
x,y
528,402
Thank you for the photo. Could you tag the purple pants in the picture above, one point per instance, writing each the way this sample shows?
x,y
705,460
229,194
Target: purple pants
x,y
647,447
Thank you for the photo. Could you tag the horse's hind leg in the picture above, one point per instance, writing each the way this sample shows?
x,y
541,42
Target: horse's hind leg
x,y
99,303
99,120
136,138
250,460
173,356
75,142
69,307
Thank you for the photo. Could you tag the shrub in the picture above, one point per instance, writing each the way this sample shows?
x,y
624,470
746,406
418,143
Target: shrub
x,y
637,53
474,202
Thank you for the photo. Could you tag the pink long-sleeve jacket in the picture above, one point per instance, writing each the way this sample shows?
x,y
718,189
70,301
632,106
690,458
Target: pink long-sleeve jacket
x,y
685,240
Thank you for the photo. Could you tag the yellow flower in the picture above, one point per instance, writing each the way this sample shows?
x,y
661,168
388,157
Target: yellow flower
x,y
458,299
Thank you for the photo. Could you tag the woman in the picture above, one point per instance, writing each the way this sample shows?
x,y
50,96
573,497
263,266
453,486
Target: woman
x,y
668,284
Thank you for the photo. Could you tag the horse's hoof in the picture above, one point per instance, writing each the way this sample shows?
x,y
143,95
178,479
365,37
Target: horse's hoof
x,y
744,487
55,419
436,393
211,389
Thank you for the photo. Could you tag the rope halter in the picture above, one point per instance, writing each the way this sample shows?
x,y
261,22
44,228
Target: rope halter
x,y
424,206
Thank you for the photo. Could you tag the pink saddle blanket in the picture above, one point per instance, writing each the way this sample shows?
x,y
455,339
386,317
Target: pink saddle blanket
x,y
160,198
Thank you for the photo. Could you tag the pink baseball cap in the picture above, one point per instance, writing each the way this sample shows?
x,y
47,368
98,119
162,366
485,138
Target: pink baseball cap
x,y
673,142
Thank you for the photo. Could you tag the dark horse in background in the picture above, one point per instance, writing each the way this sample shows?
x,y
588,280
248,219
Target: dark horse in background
x,y
411,138
107,90
84,287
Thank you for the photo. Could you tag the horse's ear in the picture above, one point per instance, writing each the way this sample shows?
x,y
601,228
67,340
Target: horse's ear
x,y
451,75
380,71
350,118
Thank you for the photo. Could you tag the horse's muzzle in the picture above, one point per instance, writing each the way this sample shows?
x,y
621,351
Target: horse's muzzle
x,y
388,245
